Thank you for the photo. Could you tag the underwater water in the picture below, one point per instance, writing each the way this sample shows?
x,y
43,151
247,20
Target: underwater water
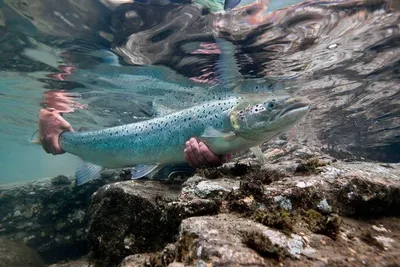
x,y
33,63
104,63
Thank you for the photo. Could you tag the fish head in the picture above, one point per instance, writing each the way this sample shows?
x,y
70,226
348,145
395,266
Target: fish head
x,y
264,118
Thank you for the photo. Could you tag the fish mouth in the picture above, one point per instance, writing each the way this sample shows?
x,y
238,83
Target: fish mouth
x,y
296,104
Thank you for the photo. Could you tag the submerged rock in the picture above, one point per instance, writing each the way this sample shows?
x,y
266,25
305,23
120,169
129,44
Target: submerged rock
x,y
49,215
226,240
125,219
18,255
283,213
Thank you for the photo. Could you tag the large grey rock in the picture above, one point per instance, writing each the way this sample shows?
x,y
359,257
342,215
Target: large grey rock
x,y
138,217
125,219
18,255
350,189
226,240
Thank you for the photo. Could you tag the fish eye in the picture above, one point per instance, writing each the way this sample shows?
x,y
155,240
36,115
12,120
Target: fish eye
x,y
271,105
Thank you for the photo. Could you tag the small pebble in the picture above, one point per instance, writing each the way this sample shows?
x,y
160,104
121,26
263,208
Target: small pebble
x,y
352,251
306,239
379,228
333,46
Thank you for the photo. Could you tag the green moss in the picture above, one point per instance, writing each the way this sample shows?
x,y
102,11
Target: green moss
x,y
236,203
237,170
328,225
163,258
305,198
185,252
310,166
262,245
278,219
250,187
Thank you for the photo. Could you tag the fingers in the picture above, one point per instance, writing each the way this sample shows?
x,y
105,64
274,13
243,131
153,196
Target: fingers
x,y
65,126
55,147
210,158
192,153
45,145
51,125
198,154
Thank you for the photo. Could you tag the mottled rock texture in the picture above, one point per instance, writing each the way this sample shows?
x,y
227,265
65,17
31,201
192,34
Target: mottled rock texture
x,y
303,209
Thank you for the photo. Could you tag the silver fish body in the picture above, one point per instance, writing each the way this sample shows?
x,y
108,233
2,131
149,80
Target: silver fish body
x,y
225,126
154,141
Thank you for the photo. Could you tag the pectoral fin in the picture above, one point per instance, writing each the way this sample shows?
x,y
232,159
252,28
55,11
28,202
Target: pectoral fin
x,y
258,153
211,132
214,138
87,171
140,171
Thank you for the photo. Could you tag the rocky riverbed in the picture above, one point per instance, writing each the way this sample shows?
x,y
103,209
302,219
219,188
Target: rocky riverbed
x,y
301,208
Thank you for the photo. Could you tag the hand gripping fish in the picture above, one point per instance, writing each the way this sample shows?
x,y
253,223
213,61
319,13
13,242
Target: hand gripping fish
x,y
225,126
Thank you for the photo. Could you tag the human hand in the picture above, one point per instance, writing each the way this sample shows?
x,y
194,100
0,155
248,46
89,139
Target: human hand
x,y
51,125
197,154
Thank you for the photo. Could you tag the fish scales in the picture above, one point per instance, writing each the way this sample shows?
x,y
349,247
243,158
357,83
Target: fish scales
x,y
158,140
